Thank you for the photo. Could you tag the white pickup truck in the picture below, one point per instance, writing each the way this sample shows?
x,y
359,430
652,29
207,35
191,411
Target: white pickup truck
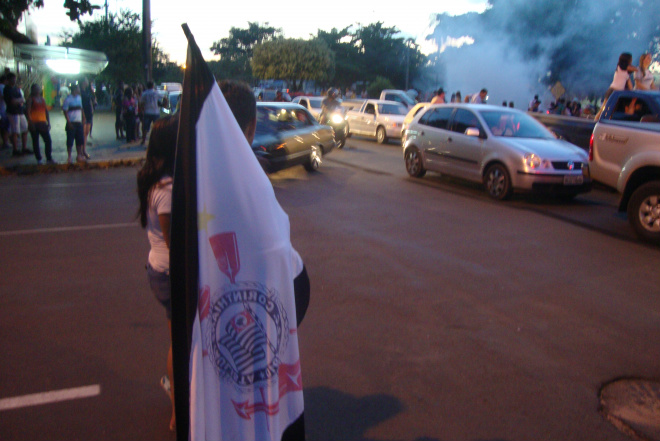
x,y
378,118
624,153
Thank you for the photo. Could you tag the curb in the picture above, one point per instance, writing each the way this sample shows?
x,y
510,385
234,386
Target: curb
x,y
32,169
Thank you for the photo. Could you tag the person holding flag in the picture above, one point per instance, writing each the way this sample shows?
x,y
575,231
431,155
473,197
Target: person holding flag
x,y
234,277
154,188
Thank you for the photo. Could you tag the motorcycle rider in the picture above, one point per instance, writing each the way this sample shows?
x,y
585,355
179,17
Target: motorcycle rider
x,y
328,105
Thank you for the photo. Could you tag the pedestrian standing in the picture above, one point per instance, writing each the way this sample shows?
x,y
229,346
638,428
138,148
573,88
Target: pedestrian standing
x,y
88,102
154,182
39,123
75,120
117,102
129,113
15,103
4,120
151,109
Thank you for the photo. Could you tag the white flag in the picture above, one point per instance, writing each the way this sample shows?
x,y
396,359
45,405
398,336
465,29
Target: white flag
x,y
245,380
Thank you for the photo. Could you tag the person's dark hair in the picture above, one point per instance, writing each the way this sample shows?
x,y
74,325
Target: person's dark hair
x,y
10,76
159,161
241,101
624,60
128,93
150,84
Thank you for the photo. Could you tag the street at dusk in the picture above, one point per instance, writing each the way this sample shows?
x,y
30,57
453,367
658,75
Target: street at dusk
x,y
436,313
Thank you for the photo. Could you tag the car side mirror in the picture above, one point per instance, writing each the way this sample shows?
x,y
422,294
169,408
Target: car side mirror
x,y
472,131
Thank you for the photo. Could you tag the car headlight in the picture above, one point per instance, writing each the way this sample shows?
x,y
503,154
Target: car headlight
x,y
337,119
533,161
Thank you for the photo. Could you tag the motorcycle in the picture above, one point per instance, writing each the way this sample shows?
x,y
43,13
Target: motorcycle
x,y
337,120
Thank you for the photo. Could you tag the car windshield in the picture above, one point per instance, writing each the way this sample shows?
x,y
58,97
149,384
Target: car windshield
x,y
392,109
514,125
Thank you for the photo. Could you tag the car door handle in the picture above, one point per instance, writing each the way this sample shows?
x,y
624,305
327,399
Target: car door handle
x,y
449,139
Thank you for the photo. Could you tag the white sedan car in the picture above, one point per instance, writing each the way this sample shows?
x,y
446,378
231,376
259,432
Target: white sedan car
x,y
504,148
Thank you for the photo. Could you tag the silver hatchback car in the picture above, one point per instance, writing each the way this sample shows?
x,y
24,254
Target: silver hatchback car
x,y
504,148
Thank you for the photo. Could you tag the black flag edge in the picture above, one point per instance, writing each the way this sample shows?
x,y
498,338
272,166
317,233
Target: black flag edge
x,y
184,256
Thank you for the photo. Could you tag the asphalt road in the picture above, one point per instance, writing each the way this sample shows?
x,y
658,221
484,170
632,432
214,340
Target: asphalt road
x,y
436,313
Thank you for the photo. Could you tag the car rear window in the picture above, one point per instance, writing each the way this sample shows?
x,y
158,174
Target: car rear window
x,y
272,119
392,109
437,117
463,120
514,124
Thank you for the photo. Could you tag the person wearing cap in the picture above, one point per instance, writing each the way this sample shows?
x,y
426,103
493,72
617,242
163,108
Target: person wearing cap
x,y
439,97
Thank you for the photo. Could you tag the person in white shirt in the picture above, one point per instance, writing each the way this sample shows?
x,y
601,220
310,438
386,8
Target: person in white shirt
x,y
155,193
621,80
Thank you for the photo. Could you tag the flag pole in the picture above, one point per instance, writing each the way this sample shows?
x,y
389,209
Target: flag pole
x,y
184,260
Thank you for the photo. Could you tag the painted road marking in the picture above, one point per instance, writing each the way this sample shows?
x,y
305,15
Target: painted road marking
x,y
55,396
66,229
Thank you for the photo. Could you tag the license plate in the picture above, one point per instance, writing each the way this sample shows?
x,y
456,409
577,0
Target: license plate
x,y
573,180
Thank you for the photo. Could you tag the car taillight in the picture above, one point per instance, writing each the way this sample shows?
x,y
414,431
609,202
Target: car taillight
x,y
591,148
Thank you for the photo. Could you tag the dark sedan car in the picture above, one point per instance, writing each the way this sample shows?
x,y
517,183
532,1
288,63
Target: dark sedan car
x,y
288,135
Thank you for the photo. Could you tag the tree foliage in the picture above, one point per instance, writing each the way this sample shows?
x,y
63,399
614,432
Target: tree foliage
x,y
120,38
293,60
236,50
348,68
163,70
378,85
11,10
372,51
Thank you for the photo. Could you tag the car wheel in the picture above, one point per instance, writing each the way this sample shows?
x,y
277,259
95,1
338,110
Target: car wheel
x,y
315,159
644,211
414,165
341,143
498,182
381,135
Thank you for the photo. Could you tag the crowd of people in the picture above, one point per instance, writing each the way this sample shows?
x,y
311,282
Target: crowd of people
x,y
136,106
20,115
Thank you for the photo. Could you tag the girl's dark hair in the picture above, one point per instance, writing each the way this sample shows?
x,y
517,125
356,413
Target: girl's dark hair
x,y
159,161
624,60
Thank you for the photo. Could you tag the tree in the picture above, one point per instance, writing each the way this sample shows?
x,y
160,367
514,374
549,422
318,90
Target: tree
x,y
348,65
120,38
11,10
164,70
382,53
294,60
236,50
377,86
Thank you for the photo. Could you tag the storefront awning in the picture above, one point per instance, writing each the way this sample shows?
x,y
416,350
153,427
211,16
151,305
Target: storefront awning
x,y
61,60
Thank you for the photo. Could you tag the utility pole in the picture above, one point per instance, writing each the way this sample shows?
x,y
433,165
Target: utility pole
x,y
146,38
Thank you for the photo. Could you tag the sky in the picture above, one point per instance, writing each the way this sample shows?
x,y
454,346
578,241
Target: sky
x,y
210,20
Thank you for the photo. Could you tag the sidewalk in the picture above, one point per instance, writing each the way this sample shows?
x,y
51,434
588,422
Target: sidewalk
x,y
103,147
